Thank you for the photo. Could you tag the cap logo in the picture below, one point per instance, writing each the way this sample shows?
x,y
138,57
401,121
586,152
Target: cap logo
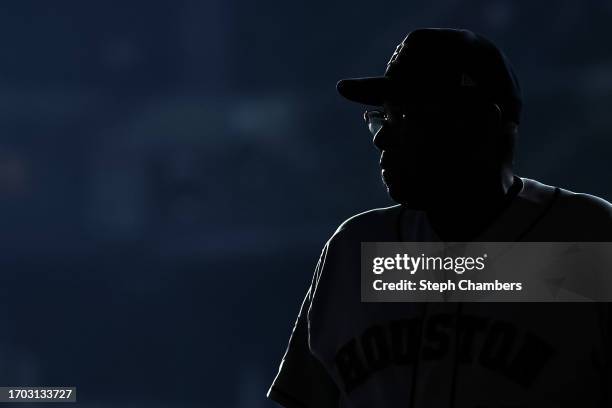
x,y
396,53
466,80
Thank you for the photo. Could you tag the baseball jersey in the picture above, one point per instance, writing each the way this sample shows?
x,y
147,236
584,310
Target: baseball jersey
x,y
347,353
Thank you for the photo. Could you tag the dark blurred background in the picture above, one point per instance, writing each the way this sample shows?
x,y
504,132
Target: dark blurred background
x,y
155,245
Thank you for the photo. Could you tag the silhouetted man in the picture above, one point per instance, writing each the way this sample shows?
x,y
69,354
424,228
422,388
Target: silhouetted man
x,y
449,106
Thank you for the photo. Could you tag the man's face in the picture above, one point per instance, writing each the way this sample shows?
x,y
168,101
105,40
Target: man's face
x,y
429,149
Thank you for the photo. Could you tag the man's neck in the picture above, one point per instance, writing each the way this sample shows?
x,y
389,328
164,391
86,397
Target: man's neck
x,y
471,211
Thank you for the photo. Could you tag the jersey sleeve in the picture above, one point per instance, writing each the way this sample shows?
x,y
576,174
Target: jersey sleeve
x,y
302,380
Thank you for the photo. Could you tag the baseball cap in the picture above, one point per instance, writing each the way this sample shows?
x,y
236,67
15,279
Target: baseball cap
x,y
438,63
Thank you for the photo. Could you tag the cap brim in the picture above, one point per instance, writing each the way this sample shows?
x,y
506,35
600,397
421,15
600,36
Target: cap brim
x,y
366,90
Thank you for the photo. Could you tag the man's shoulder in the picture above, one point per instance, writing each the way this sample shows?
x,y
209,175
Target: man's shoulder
x,y
568,200
370,223
585,202
587,207
581,215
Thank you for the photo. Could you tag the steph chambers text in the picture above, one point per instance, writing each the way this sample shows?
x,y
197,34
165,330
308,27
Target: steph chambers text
x,y
461,285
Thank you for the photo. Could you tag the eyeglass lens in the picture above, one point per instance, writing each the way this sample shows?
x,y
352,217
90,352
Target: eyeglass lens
x,y
375,121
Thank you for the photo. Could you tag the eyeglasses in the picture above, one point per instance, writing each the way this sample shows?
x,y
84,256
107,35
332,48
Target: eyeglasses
x,y
426,114
376,119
